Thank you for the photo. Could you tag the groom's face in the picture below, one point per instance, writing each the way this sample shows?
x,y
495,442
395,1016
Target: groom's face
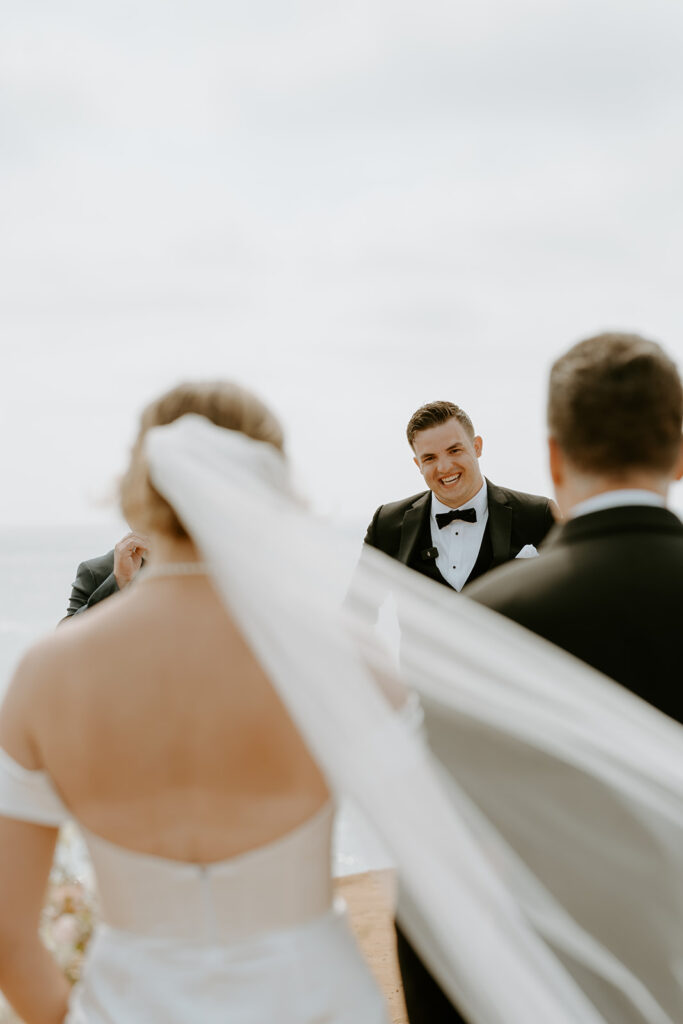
x,y
448,459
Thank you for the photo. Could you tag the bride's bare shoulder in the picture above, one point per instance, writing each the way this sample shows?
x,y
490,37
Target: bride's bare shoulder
x,y
27,695
72,634
58,655
44,677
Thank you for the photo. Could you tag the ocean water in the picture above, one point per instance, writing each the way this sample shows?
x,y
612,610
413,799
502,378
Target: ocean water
x,y
37,567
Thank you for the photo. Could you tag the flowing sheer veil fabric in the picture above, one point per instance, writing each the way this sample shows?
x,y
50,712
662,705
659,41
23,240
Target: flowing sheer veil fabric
x,y
539,837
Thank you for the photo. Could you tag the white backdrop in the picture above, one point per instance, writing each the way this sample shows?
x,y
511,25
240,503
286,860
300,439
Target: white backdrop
x,y
353,207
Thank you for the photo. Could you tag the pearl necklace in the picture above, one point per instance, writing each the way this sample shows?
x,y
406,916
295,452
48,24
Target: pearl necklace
x,y
173,569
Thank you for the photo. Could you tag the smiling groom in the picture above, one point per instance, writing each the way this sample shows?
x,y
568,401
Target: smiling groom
x,y
454,532
463,525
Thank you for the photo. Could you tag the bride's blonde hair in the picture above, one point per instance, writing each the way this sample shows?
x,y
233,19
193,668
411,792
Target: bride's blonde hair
x,y
224,403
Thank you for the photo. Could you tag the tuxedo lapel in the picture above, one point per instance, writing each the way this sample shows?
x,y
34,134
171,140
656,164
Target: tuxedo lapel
x,y
500,525
416,539
413,528
484,558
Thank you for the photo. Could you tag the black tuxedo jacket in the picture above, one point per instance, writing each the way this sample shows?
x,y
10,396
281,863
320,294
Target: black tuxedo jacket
x,y
94,581
608,588
402,529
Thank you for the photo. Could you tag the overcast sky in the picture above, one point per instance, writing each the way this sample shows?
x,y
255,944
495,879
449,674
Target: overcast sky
x,y
352,207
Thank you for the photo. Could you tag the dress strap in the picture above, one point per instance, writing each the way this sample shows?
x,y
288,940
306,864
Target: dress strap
x,y
28,795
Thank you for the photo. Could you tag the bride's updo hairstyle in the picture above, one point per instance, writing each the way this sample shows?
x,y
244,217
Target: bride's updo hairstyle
x,y
222,402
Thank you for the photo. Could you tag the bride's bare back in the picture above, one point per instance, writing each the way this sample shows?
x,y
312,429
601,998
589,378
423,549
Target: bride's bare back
x,y
160,729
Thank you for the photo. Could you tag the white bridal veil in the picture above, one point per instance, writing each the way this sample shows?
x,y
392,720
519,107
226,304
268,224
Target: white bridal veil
x,y
539,837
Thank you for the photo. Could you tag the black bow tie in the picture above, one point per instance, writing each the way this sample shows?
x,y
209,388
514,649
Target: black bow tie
x,y
469,515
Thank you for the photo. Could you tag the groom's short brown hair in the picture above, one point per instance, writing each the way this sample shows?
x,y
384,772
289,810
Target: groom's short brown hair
x,y
433,414
615,403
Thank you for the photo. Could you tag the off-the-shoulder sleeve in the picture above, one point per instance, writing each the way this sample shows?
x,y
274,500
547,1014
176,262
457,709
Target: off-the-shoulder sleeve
x,y
28,795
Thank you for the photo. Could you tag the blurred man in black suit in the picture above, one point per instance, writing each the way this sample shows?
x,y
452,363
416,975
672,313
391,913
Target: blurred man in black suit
x,y
105,575
608,585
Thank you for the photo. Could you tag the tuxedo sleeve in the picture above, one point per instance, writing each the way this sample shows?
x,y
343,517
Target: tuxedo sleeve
x,y
550,518
371,532
87,590
539,519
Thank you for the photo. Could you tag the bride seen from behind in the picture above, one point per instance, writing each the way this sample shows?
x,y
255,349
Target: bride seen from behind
x,y
210,830
151,724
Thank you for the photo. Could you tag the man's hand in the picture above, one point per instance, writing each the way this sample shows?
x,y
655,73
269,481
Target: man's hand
x,y
128,555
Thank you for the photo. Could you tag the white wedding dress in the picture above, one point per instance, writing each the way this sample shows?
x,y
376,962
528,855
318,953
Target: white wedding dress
x,y
251,939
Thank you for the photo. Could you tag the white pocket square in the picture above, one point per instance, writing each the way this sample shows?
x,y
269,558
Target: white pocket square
x,y
528,551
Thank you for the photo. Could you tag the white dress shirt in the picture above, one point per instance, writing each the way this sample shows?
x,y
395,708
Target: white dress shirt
x,y
616,499
458,543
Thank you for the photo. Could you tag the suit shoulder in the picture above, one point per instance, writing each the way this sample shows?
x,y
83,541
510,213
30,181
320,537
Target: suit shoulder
x,y
385,529
397,508
101,566
533,515
508,495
